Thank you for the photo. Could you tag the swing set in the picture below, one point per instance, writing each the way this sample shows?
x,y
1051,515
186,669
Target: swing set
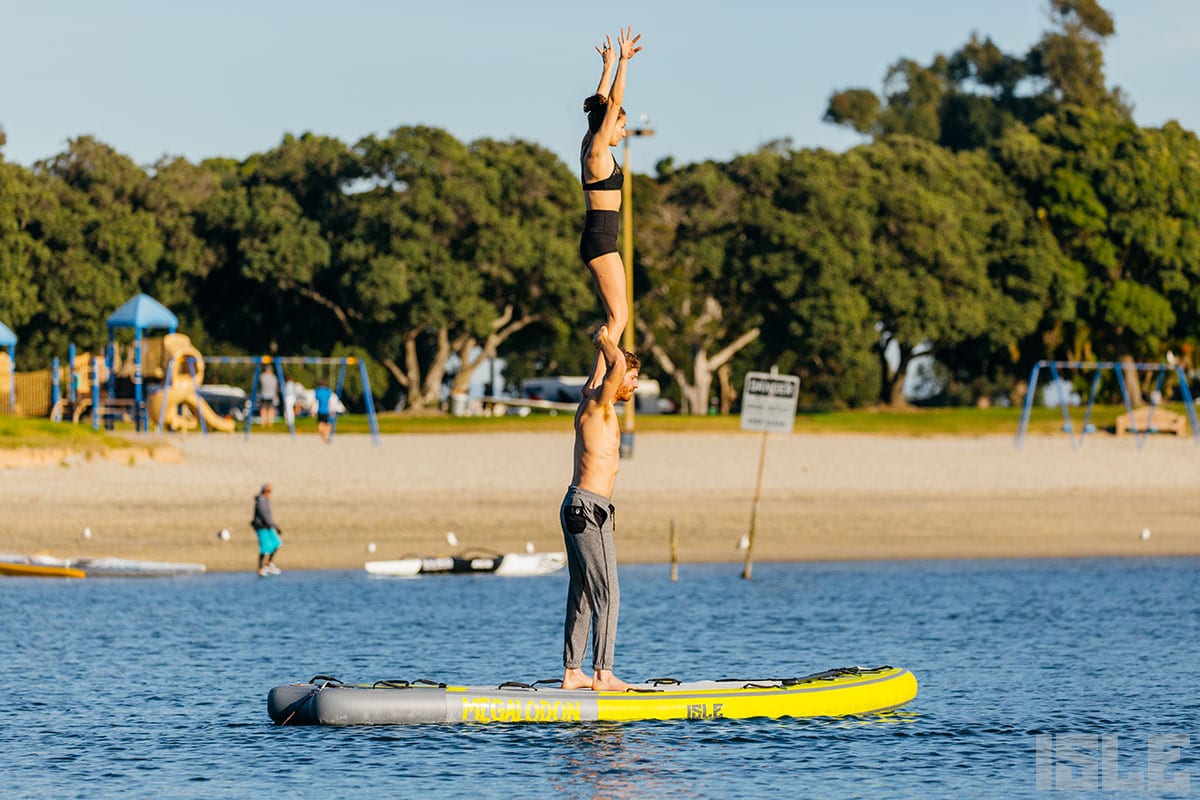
x,y
275,364
1140,431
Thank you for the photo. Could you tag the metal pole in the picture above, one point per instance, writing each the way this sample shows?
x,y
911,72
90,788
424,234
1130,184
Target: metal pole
x,y
94,376
337,397
72,381
12,379
140,424
627,339
372,419
258,365
164,392
289,418
1188,404
55,392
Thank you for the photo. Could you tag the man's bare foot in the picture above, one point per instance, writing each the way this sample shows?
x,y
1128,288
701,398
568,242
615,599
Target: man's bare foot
x,y
605,681
576,679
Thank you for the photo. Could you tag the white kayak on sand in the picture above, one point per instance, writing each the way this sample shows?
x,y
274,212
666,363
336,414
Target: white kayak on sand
x,y
135,568
513,565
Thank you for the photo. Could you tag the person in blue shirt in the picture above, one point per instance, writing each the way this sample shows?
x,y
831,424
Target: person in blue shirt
x,y
326,407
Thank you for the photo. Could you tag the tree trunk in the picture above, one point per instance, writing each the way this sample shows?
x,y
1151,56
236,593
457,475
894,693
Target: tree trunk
x,y
725,377
412,369
502,328
431,387
694,393
701,382
1132,383
891,391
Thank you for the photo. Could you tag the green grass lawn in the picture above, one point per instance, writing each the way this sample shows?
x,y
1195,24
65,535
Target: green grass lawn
x,y
910,422
43,434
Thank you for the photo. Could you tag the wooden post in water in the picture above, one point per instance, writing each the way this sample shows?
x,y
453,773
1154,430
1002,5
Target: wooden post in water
x,y
674,552
748,568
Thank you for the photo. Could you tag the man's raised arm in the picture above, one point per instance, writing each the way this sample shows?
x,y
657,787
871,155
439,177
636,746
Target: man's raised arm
x,y
614,366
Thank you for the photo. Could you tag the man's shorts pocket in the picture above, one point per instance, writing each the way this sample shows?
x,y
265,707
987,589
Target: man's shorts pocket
x,y
576,519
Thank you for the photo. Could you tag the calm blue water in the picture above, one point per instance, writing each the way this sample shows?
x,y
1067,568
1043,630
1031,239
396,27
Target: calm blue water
x,y
156,688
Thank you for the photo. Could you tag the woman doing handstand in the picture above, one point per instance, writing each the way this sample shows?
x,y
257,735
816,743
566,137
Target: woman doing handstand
x,y
602,181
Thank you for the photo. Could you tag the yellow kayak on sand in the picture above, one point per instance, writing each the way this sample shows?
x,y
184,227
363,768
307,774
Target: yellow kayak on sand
x,y
835,693
39,571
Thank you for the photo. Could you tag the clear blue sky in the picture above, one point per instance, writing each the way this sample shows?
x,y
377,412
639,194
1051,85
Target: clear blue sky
x,y
231,77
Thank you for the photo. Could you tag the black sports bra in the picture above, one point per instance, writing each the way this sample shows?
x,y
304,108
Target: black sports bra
x,y
613,181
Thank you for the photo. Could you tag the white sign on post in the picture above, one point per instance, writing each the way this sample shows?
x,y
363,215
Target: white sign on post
x,y
769,402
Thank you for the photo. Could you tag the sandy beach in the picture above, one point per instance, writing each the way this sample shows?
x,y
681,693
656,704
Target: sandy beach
x,y
823,497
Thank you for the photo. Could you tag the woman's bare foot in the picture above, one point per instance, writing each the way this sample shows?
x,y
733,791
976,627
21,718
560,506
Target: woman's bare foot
x,y
576,679
605,681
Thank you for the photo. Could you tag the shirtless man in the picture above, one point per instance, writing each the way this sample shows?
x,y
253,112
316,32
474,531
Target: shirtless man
x,y
586,517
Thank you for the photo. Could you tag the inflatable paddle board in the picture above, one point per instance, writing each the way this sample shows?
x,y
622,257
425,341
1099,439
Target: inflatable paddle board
x,y
835,693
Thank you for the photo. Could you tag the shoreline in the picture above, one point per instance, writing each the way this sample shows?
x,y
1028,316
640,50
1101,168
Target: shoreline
x,y
825,498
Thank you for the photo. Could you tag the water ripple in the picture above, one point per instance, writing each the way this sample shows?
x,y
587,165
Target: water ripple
x,y
157,688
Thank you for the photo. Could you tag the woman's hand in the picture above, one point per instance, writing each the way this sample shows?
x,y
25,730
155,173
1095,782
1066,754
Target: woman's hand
x,y
628,43
607,54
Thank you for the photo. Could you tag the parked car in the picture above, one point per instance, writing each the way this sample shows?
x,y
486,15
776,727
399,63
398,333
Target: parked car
x,y
227,401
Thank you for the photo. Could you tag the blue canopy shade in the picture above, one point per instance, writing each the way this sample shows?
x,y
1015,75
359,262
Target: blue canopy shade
x,y
7,337
143,312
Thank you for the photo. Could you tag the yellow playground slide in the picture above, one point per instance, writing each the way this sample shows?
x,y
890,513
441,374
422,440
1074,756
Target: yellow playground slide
x,y
184,406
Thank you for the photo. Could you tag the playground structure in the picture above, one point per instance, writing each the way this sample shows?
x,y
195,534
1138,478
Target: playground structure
x,y
115,387
176,403
8,374
141,313
1140,422
40,393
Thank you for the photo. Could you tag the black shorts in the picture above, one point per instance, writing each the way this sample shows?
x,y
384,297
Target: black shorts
x,y
599,234
322,417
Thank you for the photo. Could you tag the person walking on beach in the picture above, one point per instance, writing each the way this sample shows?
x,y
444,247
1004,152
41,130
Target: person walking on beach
x,y
587,520
602,181
268,393
325,402
269,540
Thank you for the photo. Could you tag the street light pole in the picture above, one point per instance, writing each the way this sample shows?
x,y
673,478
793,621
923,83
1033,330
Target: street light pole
x,y
627,256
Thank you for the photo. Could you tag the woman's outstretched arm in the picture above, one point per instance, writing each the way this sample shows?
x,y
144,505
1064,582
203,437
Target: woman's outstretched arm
x,y
628,47
609,57
627,43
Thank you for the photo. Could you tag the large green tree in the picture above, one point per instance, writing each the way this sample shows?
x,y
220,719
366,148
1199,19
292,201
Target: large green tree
x,y
970,98
1123,203
695,312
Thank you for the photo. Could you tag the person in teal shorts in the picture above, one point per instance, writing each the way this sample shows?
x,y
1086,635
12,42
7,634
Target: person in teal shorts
x,y
268,532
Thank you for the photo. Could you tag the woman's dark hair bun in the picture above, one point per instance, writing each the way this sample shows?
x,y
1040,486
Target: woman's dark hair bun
x,y
594,102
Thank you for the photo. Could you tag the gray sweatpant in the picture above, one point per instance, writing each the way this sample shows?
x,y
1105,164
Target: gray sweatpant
x,y
593,596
